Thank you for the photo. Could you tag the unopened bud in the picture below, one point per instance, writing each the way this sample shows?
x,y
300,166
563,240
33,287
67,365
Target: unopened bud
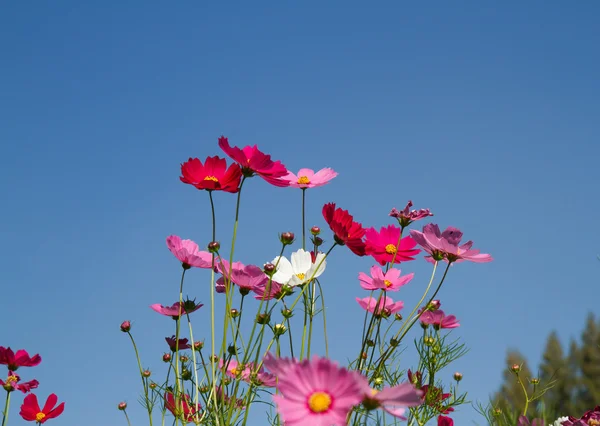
x,y
183,358
186,374
234,313
231,350
515,368
364,355
152,385
204,389
146,373
370,343
394,342
198,346
125,326
378,381
535,381
269,269
428,341
287,290
166,357
317,241
398,317
496,412
434,305
436,349
315,230
263,318
457,376
279,329
287,313
214,246
286,238
122,406
214,358
226,381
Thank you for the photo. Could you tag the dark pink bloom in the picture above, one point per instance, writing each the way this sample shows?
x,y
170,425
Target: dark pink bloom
x,y
253,161
384,307
407,216
183,344
389,281
188,253
307,178
593,415
31,411
213,175
19,359
434,396
445,245
445,421
182,408
177,309
438,319
346,230
524,421
384,246
403,395
13,383
244,276
268,291
249,373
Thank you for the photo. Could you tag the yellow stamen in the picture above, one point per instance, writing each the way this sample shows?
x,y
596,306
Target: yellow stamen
x,y
319,402
301,276
374,392
391,249
303,180
11,379
214,179
593,422
39,417
387,283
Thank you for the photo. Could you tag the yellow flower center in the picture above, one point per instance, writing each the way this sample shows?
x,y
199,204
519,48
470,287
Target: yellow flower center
x,y
11,379
319,402
39,417
390,249
301,276
374,392
214,179
593,422
387,283
303,180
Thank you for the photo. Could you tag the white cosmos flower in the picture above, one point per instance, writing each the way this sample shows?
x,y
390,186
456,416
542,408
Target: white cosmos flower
x,y
559,421
300,269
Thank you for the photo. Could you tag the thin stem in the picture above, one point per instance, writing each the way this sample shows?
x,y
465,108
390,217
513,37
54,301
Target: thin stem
x,y
127,417
303,219
324,320
144,383
6,407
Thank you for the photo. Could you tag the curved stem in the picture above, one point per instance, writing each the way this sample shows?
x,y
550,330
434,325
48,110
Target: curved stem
x,y
144,383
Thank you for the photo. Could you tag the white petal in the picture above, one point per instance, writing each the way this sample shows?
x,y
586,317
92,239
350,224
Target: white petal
x,y
301,261
284,270
320,257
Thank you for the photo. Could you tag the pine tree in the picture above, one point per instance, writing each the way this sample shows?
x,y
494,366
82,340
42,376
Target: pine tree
x,y
589,366
555,368
511,398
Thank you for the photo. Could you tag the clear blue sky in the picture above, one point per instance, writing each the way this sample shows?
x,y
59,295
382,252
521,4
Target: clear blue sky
x,y
485,113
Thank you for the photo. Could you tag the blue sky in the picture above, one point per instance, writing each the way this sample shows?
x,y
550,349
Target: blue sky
x,y
485,113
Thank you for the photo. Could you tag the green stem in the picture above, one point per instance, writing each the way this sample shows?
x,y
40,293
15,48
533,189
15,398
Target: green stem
x,y
127,417
324,320
303,219
6,407
144,383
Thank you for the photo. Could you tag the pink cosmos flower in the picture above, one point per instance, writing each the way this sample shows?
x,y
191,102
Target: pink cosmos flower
x,y
253,161
524,421
316,392
177,309
404,395
588,418
13,383
445,245
268,291
249,373
246,277
307,178
384,307
213,175
384,247
19,359
390,280
188,253
438,319
445,421
182,407
406,216
183,344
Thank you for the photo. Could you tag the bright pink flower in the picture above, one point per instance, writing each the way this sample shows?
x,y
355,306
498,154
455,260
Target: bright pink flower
x,y
268,291
253,161
384,307
404,395
346,230
249,373
316,392
445,421
183,344
188,253
177,309
384,247
438,319
434,396
406,216
587,419
244,276
524,421
307,178
31,411
182,407
20,359
13,383
390,280
213,175
445,245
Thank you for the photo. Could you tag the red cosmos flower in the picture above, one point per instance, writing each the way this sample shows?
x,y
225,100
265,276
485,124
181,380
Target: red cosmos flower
x,y
384,247
12,383
183,408
30,410
445,421
183,343
212,176
253,161
346,230
20,359
433,396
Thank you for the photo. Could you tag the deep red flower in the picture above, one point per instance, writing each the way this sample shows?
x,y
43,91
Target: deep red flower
x,y
183,344
20,359
12,383
183,408
346,230
30,410
445,421
433,396
213,175
384,247
253,161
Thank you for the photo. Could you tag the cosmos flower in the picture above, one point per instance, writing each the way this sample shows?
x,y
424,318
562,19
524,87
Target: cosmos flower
x,y
407,216
213,175
384,307
19,359
384,247
346,230
445,245
379,280
31,411
403,395
177,309
182,407
301,268
307,178
13,382
244,276
438,319
188,253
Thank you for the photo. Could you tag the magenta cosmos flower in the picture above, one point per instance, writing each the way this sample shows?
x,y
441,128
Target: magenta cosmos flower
x,y
268,291
316,392
346,231
384,307
182,407
253,161
407,216
307,178
19,359
246,277
445,245
177,309
384,247
188,253
403,395
213,175
249,373
379,280
438,319
13,383
174,346
445,421
31,411
589,418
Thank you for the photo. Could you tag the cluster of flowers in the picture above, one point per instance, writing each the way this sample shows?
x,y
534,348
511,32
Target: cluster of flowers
x,y
30,409
590,418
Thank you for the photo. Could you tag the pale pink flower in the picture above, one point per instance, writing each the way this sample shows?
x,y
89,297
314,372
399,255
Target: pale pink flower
x,y
403,395
438,319
390,280
384,307
177,309
307,178
445,245
246,277
188,253
407,216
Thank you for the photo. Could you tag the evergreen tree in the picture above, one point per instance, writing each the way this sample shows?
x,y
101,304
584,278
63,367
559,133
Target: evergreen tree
x,y
555,368
511,398
589,366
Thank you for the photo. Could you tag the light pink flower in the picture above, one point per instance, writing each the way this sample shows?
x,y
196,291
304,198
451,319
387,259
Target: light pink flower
x,y
438,319
307,178
188,253
244,276
316,392
404,395
385,307
177,309
406,216
390,280
445,245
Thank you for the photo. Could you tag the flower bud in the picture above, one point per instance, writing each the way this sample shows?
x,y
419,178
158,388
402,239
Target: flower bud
x,y
287,290
263,318
125,326
122,406
496,412
428,341
214,358
457,376
146,373
244,291
226,381
535,381
394,342
364,355
198,346
378,381
279,329
315,230
167,357
152,385
186,374
286,238
204,389
317,241
269,269
214,246
234,313
515,368
436,349
231,350
183,358
434,305
398,317
287,313
370,343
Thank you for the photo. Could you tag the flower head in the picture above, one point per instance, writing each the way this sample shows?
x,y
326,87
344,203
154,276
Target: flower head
x,y
591,417
253,161
346,230
188,253
524,421
407,216
212,175
385,306
389,281
445,421
384,247
19,359
307,178
300,270
31,411
438,319
244,276
174,345
13,383
268,290
182,408
177,309
404,395
445,245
